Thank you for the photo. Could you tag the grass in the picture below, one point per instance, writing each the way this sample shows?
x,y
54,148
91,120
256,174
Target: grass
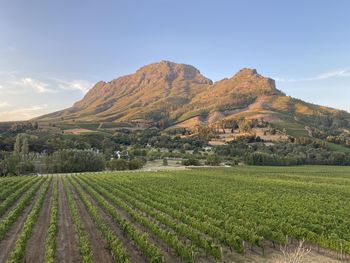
x,y
337,148
293,129
191,114
111,125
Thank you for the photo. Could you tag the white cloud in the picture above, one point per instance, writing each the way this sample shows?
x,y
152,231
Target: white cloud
x,y
335,73
326,75
81,85
11,73
18,93
24,113
36,85
12,82
19,85
4,104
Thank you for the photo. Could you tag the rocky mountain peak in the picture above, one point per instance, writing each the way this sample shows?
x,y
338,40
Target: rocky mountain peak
x,y
171,71
247,72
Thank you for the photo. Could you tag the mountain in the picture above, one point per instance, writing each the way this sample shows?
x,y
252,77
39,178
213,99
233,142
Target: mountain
x,y
138,95
178,95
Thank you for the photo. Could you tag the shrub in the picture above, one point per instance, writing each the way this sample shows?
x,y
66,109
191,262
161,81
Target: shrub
x,y
136,164
121,164
213,160
118,164
191,162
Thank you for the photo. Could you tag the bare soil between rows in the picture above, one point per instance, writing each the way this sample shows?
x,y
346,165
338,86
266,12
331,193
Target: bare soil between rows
x,y
134,253
169,255
8,243
35,249
67,248
97,242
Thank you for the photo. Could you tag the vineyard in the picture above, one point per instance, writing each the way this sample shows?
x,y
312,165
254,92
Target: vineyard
x,y
243,214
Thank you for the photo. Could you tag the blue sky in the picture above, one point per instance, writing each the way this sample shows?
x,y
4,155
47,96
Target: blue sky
x,y
52,52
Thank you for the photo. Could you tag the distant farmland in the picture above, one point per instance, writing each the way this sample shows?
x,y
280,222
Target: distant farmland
x,y
245,214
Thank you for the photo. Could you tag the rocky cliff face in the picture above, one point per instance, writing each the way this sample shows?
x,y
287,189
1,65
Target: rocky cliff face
x,y
244,87
144,91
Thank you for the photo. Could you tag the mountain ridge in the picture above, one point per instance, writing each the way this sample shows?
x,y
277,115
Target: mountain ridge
x,y
172,93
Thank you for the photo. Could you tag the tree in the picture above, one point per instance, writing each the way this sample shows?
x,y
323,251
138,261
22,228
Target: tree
x,y
71,161
25,147
17,146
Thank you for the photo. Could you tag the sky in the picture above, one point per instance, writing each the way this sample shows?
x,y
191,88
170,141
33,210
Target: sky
x,y
52,52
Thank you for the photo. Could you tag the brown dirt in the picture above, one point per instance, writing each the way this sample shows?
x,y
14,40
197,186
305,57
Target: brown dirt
x,y
67,249
9,241
35,249
134,253
97,242
77,131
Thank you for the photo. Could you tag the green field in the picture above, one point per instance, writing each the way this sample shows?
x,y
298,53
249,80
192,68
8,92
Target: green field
x,y
293,128
337,147
200,215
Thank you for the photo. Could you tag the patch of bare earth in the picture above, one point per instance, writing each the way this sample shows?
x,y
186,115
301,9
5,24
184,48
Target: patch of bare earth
x,y
9,241
35,249
77,131
67,249
97,242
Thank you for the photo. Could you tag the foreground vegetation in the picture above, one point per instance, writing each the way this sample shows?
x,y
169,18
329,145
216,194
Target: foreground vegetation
x,y
191,216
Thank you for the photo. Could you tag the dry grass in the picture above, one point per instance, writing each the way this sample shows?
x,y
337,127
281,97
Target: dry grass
x,y
293,255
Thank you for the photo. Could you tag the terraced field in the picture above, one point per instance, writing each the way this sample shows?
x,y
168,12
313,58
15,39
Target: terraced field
x,y
241,214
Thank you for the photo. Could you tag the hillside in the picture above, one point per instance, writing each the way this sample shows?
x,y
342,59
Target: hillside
x,y
167,94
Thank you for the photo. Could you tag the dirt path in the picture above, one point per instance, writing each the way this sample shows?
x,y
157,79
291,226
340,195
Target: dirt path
x,y
134,253
98,243
35,249
67,249
8,243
